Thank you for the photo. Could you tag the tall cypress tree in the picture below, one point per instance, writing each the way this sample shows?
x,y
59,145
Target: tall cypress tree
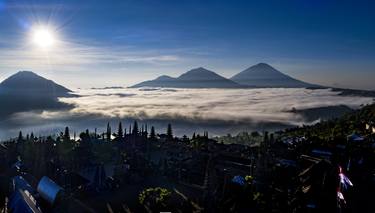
x,y
169,132
120,131
146,131
20,137
265,140
152,133
135,128
66,134
108,133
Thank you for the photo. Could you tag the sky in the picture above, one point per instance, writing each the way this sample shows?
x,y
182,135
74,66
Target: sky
x,y
120,43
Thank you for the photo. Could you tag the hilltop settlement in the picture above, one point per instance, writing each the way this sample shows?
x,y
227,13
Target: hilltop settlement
x,y
328,167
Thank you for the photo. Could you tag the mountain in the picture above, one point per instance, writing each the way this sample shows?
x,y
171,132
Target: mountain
x,y
264,75
29,83
195,78
260,75
161,81
26,91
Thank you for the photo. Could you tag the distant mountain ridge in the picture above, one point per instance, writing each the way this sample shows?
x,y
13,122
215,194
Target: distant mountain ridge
x,y
264,75
257,76
195,78
27,91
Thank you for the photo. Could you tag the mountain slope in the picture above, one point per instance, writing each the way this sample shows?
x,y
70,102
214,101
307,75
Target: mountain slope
x,y
161,81
263,75
29,83
195,78
26,91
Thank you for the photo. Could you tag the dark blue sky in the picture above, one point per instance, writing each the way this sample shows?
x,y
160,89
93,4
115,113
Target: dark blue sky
x,y
122,42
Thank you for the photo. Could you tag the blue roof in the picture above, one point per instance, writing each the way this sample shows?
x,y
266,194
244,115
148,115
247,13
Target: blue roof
x,y
321,152
355,137
239,180
20,183
22,202
18,165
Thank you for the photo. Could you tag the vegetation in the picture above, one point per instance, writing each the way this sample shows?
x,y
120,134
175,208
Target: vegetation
x,y
243,138
169,132
337,129
154,198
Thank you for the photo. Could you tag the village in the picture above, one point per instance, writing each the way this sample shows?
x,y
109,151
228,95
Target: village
x,y
134,170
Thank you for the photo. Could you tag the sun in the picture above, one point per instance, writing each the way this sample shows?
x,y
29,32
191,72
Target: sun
x,y
43,37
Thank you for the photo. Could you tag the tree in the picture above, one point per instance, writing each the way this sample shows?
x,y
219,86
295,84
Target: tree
x,y
85,136
66,134
249,179
264,146
152,134
255,134
120,131
169,132
154,198
272,139
32,138
146,131
20,137
108,133
135,128
205,134
265,139
185,138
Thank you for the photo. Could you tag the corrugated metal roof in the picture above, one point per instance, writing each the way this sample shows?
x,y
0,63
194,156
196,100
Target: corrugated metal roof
x,y
48,189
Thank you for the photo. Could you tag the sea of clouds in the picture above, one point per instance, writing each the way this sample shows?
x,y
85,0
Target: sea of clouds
x,y
220,111
237,105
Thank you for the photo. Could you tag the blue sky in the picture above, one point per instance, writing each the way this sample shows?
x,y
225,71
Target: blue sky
x,y
104,43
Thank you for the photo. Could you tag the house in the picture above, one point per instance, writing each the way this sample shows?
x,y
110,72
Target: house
x,y
355,138
23,197
317,185
49,190
320,153
21,201
96,176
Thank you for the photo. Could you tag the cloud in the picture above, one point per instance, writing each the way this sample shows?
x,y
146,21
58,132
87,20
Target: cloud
x,y
220,111
233,105
69,55
72,56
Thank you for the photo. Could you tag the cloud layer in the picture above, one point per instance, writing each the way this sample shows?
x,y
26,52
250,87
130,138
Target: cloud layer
x,y
236,105
221,111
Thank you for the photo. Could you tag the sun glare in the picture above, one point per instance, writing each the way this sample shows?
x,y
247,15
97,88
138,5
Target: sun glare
x,y
43,37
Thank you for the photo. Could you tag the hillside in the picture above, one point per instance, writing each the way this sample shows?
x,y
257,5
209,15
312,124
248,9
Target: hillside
x,y
339,128
26,91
